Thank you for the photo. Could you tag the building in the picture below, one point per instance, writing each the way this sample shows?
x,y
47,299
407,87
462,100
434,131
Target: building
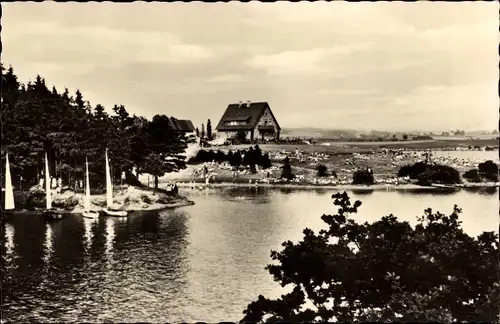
x,y
253,120
182,125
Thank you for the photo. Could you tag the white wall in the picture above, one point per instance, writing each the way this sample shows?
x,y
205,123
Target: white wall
x,y
266,120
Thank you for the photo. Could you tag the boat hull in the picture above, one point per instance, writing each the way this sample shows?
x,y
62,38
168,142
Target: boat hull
x,y
115,213
449,187
52,215
90,214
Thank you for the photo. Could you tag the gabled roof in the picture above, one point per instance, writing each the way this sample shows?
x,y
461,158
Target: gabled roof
x,y
251,114
182,125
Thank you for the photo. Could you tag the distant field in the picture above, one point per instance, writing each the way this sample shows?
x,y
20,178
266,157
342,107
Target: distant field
x,y
351,147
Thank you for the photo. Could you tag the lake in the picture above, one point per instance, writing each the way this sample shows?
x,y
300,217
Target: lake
x,y
197,263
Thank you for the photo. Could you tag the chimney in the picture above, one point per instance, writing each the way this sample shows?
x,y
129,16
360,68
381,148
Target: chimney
x,y
248,103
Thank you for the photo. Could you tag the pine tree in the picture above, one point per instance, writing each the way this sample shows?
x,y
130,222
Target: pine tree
x,y
197,132
286,172
68,129
202,130
209,129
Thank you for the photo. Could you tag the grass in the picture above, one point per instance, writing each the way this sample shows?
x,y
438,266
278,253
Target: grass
x,y
364,147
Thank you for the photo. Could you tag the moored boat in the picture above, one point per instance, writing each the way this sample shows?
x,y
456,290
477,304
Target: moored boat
x,y
9,192
50,213
444,186
111,209
87,212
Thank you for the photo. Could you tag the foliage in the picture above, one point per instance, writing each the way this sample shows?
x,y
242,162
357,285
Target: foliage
x,y
413,171
472,175
441,174
197,132
286,170
36,120
251,157
202,134
384,271
322,170
363,177
405,137
209,129
488,170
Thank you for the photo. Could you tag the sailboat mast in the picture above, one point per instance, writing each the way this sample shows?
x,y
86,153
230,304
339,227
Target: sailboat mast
x,y
87,186
48,200
109,185
9,191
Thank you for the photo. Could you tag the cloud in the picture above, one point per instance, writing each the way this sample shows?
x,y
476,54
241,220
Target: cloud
x,y
372,64
302,62
104,45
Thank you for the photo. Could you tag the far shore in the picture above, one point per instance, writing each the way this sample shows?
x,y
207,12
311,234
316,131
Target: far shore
x,y
333,187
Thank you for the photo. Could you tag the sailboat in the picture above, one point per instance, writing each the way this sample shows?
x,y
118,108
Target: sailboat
x,y
87,212
9,191
49,213
110,209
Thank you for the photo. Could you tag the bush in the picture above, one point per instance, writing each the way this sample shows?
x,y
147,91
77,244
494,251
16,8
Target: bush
x,y
266,161
322,170
363,177
413,171
146,199
472,175
441,174
286,172
354,272
488,170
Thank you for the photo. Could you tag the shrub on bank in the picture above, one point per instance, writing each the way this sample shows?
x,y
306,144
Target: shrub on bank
x,y
322,170
253,156
413,171
488,170
363,177
472,175
385,271
441,174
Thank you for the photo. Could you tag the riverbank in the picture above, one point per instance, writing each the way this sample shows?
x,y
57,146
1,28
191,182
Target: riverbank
x,y
332,187
129,198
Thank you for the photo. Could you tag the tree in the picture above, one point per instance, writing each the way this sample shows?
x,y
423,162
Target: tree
x,y
488,170
405,137
286,170
266,161
202,130
209,129
197,132
384,271
165,148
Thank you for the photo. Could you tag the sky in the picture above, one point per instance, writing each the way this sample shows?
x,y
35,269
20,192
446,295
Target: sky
x,y
337,65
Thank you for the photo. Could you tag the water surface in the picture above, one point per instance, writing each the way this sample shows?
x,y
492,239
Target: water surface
x,y
197,263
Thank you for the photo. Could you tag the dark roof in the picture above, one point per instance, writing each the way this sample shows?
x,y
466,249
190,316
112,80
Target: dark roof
x,y
252,114
182,125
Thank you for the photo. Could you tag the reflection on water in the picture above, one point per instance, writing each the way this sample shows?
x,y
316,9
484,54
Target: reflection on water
x,y
198,263
48,243
362,192
110,236
9,240
88,224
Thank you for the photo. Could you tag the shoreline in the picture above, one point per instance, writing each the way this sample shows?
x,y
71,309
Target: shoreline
x,y
133,199
330,187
